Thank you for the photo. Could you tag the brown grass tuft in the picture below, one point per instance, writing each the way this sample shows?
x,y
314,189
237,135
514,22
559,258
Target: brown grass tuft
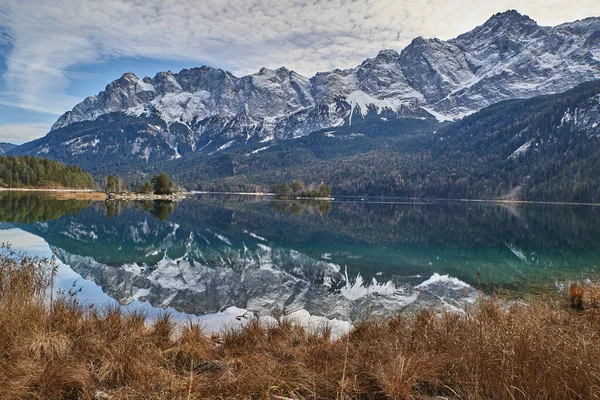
x,y
576,294
191,349
43,345
398,376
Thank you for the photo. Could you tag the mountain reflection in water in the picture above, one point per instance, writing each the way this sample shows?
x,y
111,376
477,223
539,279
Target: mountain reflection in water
x,y
342,260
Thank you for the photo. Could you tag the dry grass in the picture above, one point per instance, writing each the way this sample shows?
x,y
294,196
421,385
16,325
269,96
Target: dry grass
x,y
536,350
94,196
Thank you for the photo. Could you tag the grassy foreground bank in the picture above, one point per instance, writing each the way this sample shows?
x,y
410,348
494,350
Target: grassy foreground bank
x,y
56,348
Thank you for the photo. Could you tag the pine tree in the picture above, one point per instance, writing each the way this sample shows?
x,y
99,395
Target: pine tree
x,y
324,190
112,184
162,184
297,186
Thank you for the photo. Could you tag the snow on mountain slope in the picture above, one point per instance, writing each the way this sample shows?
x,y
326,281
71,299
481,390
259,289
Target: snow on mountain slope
x,y
362,102
513,57
4,147
586,117
201,109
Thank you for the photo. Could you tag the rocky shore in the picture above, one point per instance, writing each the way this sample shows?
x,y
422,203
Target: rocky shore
x,y
149,196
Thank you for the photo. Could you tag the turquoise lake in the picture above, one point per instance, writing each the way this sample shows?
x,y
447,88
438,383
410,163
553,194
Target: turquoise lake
x,y
342,259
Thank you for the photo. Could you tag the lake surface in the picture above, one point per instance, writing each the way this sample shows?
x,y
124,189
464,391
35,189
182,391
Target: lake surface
x,y
348,259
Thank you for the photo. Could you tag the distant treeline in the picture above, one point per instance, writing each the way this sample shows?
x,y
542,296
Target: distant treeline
x,y
297,189
33,172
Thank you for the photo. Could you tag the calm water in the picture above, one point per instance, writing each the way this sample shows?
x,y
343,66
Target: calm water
x,y
341,260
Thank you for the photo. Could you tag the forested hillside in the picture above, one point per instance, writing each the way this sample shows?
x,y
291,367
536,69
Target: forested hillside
x,y
33,172
546,148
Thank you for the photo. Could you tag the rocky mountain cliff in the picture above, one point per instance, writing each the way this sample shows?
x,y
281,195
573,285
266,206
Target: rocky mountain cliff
x,y
206,110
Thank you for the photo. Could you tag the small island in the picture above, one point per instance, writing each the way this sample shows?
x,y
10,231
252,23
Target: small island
x,y
296,190
160,187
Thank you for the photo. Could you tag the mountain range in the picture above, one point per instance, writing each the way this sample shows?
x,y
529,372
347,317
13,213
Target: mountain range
x,y
210,120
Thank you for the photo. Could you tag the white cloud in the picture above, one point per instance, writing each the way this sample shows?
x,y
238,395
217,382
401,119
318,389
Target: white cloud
x,y
47,106
50,36
21,133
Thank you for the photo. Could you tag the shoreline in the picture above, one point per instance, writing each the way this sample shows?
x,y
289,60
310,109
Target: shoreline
x,y
292,198
62,190
403,200
266,194
145,197
560,203
91,194
391,200
63,194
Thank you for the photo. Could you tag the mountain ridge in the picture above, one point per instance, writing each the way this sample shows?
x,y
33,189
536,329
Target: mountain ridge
x,y
198,114
455,66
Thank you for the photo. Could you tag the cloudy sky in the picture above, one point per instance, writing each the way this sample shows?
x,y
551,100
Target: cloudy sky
x,y
54,53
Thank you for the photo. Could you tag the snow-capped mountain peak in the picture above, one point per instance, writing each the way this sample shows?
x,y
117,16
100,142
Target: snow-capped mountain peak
x,y
509,56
